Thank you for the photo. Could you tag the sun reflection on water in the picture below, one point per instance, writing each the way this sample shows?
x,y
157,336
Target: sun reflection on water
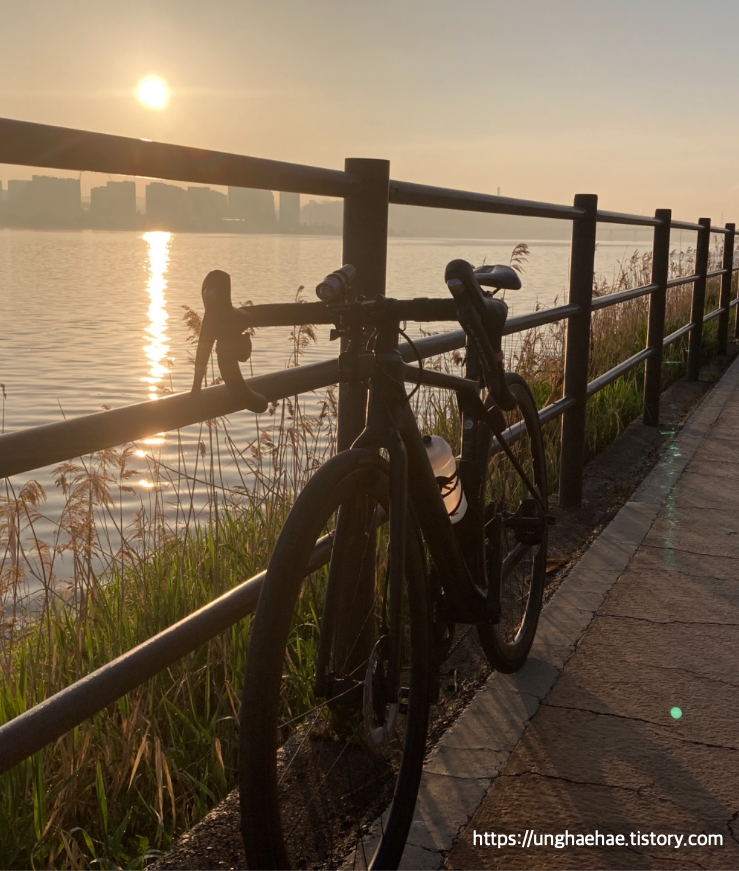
x,y
157,349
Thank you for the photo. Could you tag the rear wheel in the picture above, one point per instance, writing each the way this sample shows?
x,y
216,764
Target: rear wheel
x,y
523,535
330,762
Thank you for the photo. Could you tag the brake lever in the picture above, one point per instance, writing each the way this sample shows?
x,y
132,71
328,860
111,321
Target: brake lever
x,y
226,327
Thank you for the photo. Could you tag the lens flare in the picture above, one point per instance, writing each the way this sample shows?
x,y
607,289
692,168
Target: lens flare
x,y
676,713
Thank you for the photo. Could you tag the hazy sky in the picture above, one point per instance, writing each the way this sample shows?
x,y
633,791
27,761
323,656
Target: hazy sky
x,y
634,101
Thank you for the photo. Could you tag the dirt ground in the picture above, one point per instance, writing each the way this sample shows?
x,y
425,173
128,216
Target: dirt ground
x,y
610,478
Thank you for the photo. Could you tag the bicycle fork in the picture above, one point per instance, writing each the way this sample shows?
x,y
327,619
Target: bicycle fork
x,y
396,562
392,633
385,402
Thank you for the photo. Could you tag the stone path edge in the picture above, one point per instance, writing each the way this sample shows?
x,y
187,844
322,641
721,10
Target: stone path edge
x,y
463,765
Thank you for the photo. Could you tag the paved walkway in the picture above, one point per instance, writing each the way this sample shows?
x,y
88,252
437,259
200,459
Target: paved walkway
x,y
588,736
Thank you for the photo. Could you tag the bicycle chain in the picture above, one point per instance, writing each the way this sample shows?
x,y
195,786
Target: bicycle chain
x,y
458,642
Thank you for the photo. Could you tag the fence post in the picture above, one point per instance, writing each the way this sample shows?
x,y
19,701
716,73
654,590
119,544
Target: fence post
x,y
365,247
656,327
725,298
699,299
577,352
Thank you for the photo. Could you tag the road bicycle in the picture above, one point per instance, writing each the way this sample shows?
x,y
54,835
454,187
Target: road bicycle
x,y
378,560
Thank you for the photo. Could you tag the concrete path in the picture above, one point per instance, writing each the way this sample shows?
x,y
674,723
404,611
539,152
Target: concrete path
x,y
629,704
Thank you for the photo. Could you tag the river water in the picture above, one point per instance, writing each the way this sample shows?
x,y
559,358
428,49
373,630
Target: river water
x,y
94,319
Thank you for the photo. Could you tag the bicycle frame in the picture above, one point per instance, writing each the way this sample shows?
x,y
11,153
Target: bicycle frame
x,y
391,425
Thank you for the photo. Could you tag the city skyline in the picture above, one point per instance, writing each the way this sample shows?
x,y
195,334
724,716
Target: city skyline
x,y
53,203
57,202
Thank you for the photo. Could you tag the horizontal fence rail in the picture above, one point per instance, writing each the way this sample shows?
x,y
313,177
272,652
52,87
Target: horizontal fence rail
x,y
632,220
44,445
610,299
684,225
27,144
678,334
409,194
614,374
676,282
367,191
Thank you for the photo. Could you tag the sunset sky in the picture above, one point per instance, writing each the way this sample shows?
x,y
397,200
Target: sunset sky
x,y
634,101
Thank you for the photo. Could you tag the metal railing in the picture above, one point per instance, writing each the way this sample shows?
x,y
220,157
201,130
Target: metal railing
x,y
368,191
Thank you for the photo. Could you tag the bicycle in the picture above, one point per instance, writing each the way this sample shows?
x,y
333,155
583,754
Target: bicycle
x,y
371,572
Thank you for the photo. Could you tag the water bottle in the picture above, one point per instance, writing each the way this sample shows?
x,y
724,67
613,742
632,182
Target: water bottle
x,y
445,471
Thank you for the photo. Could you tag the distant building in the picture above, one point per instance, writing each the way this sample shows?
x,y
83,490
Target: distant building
x,y
55,197
289,212
206,208
325,215
166,206
15,207
255,208
114,205
45,199
17,196
219,203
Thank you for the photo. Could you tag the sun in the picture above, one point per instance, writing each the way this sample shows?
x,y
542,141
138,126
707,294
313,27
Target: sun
x,y
153,92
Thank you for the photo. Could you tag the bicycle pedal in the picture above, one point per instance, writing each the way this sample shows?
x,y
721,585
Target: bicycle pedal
x,y
528,522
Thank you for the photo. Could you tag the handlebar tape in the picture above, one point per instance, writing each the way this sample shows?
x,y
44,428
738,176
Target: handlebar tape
x,y
483,319
225,326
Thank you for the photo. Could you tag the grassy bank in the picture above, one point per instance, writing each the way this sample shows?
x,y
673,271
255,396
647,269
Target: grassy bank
x,y
119,787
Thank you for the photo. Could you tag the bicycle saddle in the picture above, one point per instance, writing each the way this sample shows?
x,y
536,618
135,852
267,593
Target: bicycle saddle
x,y
498,276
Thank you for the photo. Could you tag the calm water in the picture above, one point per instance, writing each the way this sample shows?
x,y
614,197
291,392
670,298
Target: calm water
x,y
94,318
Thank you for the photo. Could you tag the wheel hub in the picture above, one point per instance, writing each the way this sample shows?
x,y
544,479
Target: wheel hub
x,y
379,717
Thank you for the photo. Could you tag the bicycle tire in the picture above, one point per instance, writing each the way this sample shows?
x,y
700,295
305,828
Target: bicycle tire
x,y
310,785
507,644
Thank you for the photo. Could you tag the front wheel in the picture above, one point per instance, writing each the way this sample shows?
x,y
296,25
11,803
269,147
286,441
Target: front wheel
x,y
523,535
330,760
